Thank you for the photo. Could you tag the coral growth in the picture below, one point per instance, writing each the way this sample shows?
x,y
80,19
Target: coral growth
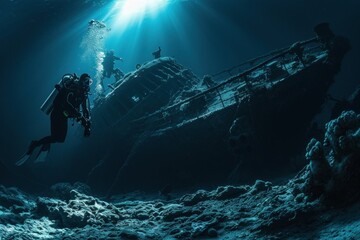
x,y
298,209
335,163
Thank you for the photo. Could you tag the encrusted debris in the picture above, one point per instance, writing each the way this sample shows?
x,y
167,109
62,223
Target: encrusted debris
x,y
303,207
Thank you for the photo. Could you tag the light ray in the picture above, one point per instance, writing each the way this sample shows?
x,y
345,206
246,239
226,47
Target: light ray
x,y
130,11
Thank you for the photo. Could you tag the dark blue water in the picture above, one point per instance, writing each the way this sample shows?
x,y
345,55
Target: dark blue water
x,y
41,40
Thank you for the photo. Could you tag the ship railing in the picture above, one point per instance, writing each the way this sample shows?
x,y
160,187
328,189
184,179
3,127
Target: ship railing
x,y
231,90
237,69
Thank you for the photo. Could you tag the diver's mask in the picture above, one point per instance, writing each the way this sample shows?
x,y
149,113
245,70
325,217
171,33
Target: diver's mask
x,y
85,81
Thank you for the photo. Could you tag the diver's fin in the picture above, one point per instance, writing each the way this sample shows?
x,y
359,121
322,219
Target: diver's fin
x,y
26,157
23,159
42,155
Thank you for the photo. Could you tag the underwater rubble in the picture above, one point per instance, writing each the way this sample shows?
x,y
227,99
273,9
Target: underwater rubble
x,y
320,202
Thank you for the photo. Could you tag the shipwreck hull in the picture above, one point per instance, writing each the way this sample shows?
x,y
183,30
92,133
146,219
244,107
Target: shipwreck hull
x,y
162,125
152,85
272,130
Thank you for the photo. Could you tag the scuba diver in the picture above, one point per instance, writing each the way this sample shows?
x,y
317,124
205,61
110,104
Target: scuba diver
x,y
96,23
108,64
108,68
63,103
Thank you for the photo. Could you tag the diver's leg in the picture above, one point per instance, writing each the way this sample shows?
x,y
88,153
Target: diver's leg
x,y
58,123
59,126
44,140
118,74
33,145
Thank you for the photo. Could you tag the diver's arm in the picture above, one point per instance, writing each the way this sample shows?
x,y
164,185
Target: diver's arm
x,y
85,109
85,121
70,109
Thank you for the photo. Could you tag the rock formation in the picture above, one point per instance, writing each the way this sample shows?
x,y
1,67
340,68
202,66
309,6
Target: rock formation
x,y
305,207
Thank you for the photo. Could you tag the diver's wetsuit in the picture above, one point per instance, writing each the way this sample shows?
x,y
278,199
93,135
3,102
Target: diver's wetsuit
x,y
108,64
66,105
59,126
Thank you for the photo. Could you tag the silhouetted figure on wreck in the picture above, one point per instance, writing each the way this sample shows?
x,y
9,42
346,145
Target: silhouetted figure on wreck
x,y
108,67
336,46
71,93
157,53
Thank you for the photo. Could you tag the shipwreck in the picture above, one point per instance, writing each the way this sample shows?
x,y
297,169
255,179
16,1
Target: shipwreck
x,y
163,125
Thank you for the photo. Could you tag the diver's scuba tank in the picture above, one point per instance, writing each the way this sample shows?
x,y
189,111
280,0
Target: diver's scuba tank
x,y
48,105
